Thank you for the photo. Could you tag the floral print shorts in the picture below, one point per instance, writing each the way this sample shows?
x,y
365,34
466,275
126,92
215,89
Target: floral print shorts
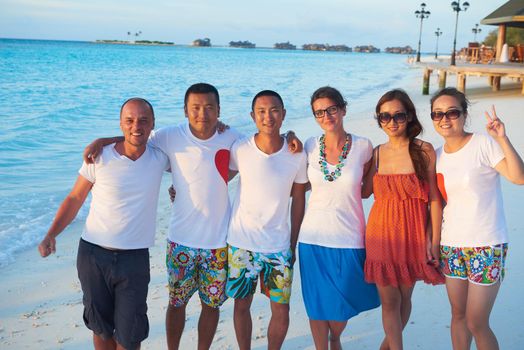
x,y
480,265
274,269
192,269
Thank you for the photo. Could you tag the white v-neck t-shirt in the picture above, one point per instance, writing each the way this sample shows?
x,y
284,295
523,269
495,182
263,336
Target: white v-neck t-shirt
x,y
259,221
124,201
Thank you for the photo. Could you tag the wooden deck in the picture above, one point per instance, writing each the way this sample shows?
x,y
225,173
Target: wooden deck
x,y
494,72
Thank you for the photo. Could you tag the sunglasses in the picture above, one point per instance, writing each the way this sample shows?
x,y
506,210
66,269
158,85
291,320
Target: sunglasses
x,y
331,110
399,118
452,114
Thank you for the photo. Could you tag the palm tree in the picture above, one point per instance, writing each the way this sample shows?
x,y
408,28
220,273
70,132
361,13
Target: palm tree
x,y
137,34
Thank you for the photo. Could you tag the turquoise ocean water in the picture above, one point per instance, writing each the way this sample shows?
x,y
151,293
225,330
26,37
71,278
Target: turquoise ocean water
x,y
57,96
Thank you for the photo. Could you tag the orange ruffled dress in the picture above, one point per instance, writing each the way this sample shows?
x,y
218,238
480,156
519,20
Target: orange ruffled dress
x,y
396,232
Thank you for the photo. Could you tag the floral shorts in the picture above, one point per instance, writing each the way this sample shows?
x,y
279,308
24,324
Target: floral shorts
x,y
275,270
190,269
479,265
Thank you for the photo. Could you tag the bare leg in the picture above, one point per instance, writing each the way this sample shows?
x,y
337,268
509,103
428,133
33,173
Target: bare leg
x,y
479,305
243,323
175,322
335,331
278,325
320,333
207,326
391,298
120,347
458,297
103,344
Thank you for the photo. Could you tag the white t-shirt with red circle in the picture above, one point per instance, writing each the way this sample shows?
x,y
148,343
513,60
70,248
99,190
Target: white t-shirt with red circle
x,y
199,168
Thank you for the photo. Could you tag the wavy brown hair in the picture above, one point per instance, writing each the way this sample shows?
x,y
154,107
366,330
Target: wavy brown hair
x,y
419,157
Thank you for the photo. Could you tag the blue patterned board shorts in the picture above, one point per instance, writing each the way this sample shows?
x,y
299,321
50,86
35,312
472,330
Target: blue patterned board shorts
x,y
274,269
191,269
479,265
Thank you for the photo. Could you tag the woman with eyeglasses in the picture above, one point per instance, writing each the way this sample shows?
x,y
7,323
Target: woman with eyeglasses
x,y
474,238
331,240
403,230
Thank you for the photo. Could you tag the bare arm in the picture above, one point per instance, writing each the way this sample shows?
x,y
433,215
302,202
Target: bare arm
x,y
434,223
65,214
93,150
511,167
367,179
298,205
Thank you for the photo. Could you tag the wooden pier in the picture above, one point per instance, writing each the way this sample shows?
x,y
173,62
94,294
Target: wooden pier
x,y
494,72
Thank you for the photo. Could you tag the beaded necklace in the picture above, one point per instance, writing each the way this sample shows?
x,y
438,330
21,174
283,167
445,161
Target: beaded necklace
x,y
332,176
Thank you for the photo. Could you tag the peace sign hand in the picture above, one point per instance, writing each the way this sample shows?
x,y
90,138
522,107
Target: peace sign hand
x,y
495,126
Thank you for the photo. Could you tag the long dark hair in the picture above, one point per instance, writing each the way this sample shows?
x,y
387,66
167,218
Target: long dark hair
x,y
418,156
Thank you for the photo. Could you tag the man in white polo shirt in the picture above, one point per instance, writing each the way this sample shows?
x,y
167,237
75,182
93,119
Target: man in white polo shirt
x,y
260,241
113,256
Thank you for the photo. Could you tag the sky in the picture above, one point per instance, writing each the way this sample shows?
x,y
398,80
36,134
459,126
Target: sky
x,y
381,23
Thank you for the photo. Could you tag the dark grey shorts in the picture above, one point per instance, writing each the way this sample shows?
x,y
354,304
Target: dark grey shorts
x,y
115,292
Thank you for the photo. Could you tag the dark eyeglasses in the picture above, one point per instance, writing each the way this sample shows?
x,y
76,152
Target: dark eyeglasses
x,y
399,118
452,114
331,110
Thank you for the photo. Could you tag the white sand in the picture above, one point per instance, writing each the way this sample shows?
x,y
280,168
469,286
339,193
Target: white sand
x,y
41,307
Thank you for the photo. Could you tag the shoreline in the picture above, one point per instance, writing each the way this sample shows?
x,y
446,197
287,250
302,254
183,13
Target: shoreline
x,y
40,305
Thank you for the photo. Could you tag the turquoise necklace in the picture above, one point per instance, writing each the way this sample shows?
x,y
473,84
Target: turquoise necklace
x,y
332,176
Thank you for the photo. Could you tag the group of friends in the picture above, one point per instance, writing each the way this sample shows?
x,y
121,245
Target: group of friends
x,y
437,217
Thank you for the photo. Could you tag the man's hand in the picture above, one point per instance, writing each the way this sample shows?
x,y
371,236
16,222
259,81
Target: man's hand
x,y
47,246
93,150
294,143
221,127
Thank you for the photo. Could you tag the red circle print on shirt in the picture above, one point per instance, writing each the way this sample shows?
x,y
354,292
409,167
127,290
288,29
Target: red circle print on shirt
x,y
441,187
222,163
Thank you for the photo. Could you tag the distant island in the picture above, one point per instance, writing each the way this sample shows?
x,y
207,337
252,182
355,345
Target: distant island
x,y
137,42
406,50
326,47
366,49
206,42
242,44
285,46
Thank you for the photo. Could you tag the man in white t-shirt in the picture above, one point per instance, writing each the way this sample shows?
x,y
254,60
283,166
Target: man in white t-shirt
x,y
113,255
260,242
196,246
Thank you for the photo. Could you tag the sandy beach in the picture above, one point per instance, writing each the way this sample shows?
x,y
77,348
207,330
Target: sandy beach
x,y
41,301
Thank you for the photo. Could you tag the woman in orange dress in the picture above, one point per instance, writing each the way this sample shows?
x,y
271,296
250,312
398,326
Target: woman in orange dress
x,y
402,240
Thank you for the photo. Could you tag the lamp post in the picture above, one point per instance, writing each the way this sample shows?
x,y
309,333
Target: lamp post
x,y
455,5
422,13
475,31
438,33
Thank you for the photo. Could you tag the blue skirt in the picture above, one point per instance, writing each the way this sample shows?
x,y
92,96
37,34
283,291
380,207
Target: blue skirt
x,y
333,285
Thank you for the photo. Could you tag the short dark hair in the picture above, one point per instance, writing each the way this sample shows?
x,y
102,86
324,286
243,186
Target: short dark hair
x,y
453,92
141,100
267,93
331,93
201,88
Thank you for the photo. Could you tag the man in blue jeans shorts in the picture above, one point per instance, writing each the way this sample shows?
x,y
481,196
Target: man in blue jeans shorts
x,y
113,255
